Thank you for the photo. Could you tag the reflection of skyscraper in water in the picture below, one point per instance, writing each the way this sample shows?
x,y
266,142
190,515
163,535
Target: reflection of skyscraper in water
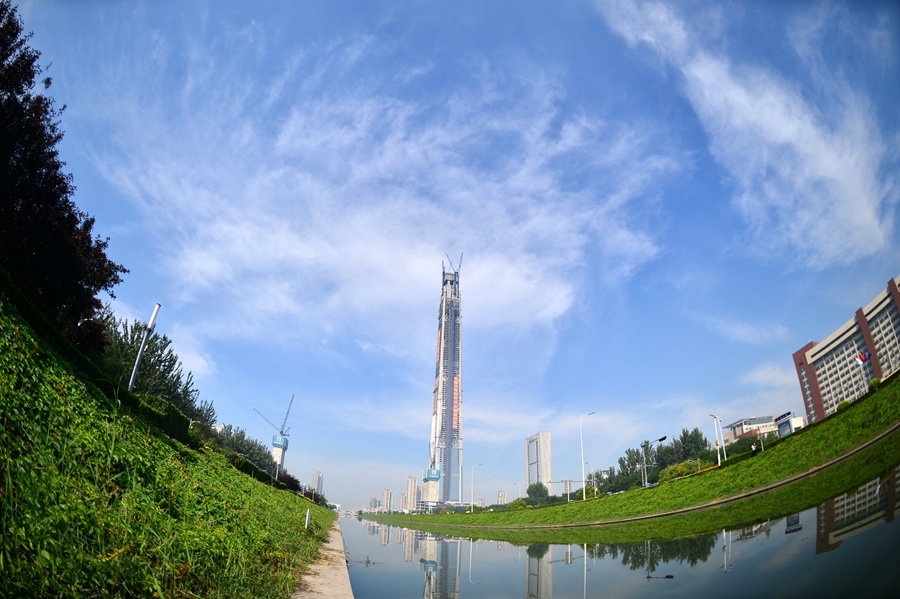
x,y
840,518
440,562
539,572
385,535
409,544
442,478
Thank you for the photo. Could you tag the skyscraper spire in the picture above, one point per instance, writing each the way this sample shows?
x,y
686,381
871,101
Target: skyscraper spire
x,y
443,482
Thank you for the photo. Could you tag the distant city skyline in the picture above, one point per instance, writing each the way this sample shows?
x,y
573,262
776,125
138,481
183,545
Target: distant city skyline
x,y
659,203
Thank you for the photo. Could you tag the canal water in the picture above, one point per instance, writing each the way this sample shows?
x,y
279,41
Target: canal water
x,y
848,546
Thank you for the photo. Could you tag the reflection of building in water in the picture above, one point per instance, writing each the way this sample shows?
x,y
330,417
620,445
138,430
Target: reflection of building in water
x,y
792,523
539,575
440,562
409,545
750,532
371,529
848,515
385,536
501,545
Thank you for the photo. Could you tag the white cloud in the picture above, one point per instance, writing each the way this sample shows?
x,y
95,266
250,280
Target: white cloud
x,y
743,332
330,219
769,376
813,181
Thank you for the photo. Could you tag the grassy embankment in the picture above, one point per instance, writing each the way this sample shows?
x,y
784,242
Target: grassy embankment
x,y
846,477
795,455
94,501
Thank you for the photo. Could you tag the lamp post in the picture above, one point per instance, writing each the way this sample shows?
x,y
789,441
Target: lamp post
x,y
716,429
722,432
593,481
472,501
140,354
644,456
581,436
518,486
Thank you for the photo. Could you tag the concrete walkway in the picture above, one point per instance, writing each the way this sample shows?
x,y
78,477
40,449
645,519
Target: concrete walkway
x,y
327,576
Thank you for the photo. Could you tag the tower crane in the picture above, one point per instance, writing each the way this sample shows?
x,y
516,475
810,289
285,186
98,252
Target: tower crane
x,y
279,441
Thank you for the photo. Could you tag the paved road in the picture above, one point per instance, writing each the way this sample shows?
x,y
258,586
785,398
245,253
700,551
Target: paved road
x,y
327,576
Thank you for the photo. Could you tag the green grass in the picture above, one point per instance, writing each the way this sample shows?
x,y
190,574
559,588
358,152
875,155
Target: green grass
x,y
844,477
94,502
794,455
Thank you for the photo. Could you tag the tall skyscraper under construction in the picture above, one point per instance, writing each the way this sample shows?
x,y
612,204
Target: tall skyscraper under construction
x,y
442,479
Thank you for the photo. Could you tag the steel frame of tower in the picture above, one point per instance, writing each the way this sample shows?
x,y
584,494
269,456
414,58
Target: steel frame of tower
x,y
445,445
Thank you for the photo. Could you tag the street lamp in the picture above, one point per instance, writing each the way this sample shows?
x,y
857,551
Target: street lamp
x,y
717,422
593,480
472,502
581,436
646,445
520,490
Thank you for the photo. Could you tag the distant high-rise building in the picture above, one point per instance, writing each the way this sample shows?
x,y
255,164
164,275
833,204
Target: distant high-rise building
x,y
401,501
411,492
386,500
538,460
318,481
501,497
840,368
442,479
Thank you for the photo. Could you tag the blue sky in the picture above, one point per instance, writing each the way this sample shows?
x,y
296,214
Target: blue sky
x,y
658,204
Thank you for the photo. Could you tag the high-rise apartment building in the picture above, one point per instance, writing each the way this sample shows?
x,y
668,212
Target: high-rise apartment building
x,y
442,479
318,481
412,485
386,500
538,460
840,367
501,497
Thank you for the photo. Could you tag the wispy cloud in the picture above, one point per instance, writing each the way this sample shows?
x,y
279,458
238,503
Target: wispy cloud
x,y
815,182
768,376
328,216
743,332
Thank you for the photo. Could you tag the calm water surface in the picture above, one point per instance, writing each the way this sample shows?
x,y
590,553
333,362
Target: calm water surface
x,y
848,546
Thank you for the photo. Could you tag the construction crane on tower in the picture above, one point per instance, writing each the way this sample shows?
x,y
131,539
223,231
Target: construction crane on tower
x,y
279,441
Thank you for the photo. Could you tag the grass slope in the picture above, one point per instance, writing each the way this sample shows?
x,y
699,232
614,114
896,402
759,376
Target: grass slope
x,y
846,477
797,454
96,503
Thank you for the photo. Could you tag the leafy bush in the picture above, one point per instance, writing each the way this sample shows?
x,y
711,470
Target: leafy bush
x,y
518,504
874,384
843,405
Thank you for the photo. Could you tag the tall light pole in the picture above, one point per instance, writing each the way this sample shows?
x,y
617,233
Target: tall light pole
x,y
593,480
716,429
581,436
520,490
472,501
646,445
724,451
140,353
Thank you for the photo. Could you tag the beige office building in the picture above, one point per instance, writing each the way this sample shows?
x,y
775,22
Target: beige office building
x,y
840,367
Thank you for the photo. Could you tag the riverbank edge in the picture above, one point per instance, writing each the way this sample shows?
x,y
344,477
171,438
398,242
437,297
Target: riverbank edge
x,y
646,517
327,576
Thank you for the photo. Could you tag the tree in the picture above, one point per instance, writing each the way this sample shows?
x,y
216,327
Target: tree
x,y
47,245
236,440
161,373
537,490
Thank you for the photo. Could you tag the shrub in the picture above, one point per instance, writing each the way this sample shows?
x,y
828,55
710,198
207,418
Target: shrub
x,y
874,384
843,406
518,504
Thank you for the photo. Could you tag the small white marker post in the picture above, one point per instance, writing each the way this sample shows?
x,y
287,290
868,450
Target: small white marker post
x,y
307,518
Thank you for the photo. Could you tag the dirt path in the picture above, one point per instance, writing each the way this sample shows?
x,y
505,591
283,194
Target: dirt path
x,y
327,576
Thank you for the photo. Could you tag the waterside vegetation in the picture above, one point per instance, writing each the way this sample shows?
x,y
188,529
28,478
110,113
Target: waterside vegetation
x,y
107,494
809,448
